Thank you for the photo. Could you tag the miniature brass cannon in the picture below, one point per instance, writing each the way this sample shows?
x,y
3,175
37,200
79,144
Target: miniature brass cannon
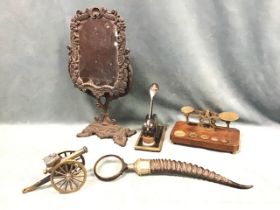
x,y
66,171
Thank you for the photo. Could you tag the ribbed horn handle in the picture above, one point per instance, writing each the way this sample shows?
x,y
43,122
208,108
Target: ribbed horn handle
x,y
163,166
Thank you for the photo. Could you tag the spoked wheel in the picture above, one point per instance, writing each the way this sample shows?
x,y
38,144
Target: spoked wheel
x,y
68,176
68,152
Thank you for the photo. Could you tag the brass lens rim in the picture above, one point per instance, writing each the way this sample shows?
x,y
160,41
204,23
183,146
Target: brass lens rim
x,y
113,177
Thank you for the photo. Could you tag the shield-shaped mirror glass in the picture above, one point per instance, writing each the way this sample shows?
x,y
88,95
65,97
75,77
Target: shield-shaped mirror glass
x,y
98,50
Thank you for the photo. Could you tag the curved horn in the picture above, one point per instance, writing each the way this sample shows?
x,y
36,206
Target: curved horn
x,y
163,166
177,167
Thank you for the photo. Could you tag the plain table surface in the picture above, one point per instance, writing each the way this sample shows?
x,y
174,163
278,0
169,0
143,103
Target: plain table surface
x,y
24,146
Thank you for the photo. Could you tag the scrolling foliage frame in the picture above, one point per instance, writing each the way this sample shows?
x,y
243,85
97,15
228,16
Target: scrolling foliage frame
x,y
124,71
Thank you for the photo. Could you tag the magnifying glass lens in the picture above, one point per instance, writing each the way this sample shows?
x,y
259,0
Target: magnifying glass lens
x,y
109,167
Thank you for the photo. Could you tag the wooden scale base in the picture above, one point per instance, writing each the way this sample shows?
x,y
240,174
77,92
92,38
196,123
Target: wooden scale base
x,y
191,134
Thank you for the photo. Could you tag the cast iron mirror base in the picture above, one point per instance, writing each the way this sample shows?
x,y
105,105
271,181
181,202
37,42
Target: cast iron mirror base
x,y
115,131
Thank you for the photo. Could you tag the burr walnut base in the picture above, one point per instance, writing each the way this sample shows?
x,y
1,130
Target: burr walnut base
x,y
218,138
106,130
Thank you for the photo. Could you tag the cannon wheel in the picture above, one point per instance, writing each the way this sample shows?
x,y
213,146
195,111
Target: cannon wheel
x,y
68,152
68,176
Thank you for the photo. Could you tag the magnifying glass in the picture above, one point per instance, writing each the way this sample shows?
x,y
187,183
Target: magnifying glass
x,y
110,167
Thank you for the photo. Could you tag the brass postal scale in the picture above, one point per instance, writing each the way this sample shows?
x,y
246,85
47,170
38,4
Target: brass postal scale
x,y
205,133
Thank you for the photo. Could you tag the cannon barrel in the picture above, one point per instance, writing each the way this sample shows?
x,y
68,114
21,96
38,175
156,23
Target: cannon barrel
x,y
72,156
76,154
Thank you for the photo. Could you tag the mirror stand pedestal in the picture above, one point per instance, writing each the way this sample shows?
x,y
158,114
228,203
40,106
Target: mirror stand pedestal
x,y
105,127
118,133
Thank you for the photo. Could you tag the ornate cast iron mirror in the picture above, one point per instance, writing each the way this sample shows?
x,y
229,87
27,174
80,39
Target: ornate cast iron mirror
x,y
99,65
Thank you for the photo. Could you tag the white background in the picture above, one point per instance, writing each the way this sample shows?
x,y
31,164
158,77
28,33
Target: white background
x,y
24,146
